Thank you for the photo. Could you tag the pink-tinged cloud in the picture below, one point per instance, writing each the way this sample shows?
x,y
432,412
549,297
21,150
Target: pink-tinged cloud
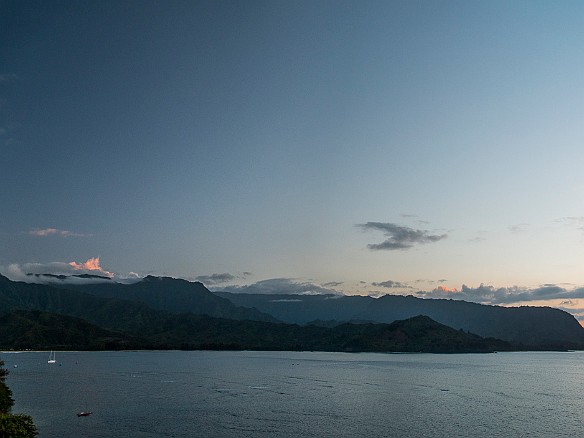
x,y
446,289
45,232
90,265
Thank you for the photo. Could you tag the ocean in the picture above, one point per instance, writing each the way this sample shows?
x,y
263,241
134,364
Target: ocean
x,y
299,394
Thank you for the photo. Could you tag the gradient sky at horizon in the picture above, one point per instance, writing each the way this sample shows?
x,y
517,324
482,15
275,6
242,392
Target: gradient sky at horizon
x,y
371,146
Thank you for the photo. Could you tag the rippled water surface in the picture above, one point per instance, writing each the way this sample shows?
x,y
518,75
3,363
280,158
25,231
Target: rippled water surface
x,y
285,394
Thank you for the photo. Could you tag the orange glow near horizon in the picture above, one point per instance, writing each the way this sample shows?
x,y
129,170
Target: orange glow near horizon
x,y
446,289
90,265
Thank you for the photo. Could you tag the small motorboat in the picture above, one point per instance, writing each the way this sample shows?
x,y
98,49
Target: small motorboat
x,y
84,414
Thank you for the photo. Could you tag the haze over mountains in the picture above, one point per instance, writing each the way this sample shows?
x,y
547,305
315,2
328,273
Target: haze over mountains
x,y
167,312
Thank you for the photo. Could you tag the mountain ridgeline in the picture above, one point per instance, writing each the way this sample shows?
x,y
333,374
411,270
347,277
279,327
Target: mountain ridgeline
x,y
78,320
41,330
173,295
527,326
162,312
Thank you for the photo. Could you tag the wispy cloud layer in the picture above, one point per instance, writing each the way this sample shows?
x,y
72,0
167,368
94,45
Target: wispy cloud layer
x,y
399,237
286,286
225,277
45,232
333,284
47,272
215,278
390,284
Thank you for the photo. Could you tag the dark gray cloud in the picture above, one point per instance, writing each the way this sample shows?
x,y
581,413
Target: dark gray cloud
x,y
399,237
504,295
423,280
220,278
287,286
215,278
390,284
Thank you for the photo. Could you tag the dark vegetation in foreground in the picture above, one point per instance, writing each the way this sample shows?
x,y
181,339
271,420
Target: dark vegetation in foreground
x,y
12,425
41,330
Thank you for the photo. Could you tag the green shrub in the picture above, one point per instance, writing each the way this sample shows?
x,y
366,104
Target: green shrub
x,y
12,426
17,426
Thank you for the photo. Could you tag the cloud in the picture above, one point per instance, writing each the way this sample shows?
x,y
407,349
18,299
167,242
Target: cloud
x,y
390,284
45,232
221,278
91,266
376,293
446,289
482,294
573,221
215,278
287,286
63,272
332,284
486,294
399,237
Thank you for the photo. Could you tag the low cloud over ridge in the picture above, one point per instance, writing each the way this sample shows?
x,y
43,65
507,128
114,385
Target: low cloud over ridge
x,y
215,278
285,286
47,272
504,295
399,237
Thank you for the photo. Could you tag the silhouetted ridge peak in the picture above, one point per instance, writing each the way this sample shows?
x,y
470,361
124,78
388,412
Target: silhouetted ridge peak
x,y
165,279
65,277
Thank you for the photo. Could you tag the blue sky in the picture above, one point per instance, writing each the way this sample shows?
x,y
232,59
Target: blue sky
x,y
362,146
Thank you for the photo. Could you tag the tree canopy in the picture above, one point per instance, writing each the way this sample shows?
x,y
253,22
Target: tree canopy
x,y
12,425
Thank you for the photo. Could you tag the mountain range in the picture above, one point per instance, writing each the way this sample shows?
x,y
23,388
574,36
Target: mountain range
x,y
527,326
163,312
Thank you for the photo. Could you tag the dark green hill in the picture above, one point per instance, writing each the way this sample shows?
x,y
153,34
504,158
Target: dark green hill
x,y
538,327
42,330
111,313
418,334
23,329
172,295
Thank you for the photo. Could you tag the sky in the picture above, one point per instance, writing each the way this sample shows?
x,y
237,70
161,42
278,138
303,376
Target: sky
x,y
432,148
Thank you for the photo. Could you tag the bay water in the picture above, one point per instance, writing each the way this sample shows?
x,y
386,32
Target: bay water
x,y
299,394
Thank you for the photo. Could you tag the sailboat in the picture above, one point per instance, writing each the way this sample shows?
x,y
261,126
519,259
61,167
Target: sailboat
x,y
52,357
